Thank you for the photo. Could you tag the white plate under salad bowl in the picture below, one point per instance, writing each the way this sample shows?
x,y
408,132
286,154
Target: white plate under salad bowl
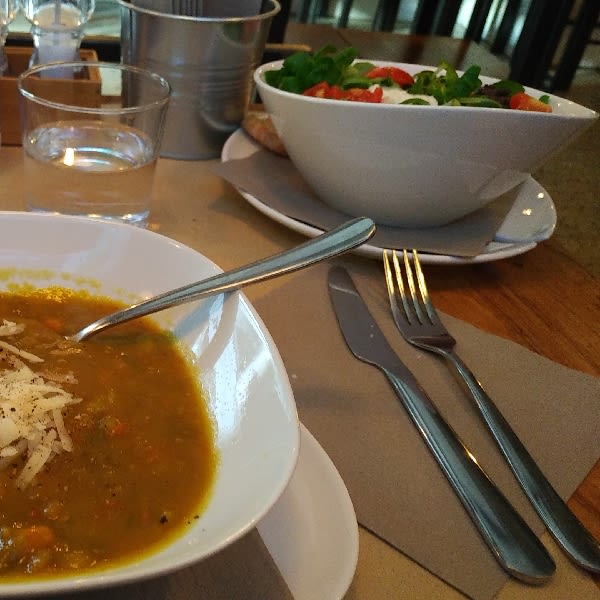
x,y
532,218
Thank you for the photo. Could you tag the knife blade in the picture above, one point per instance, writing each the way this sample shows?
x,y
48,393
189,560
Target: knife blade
x,y
511,541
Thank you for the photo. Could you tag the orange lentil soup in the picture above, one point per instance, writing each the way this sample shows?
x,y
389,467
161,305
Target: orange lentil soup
x,y
106,447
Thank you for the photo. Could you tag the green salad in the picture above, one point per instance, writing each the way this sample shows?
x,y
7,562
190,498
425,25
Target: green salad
x,y
339,75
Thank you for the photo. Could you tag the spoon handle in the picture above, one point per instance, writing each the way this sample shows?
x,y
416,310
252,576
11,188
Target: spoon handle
x,y
327,245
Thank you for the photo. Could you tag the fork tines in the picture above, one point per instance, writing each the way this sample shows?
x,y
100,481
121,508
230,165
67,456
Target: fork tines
x,y
414,296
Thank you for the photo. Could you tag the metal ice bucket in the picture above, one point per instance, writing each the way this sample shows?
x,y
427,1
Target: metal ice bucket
x,y
207,60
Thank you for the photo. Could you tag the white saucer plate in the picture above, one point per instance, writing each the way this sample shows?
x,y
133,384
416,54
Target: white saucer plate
x,y
311,531
532,218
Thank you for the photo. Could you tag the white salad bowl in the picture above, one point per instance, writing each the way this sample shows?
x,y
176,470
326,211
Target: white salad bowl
x,y
412,165
241,373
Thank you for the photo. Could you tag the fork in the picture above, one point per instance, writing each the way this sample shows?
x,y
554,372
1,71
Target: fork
x,y
419,324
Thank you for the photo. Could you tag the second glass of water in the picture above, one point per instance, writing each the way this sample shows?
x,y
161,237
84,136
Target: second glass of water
x,y
91,138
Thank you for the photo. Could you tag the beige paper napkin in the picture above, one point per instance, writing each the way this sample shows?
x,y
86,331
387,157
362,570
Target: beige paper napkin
x,y
243,570
276,183
397,488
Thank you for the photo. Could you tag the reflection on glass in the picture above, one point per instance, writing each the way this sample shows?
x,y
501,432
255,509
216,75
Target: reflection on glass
x,y
57,27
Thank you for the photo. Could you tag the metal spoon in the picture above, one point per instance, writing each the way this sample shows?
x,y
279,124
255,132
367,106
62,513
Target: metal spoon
x,y
339,240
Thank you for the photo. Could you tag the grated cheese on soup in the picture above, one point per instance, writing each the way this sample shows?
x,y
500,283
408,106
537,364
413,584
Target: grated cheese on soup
x,y
31,421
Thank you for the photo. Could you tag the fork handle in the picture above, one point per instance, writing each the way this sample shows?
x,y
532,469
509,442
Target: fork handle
x,y
568,531
511,540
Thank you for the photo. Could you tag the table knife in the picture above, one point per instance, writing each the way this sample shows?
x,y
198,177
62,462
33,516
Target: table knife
x,y
511,541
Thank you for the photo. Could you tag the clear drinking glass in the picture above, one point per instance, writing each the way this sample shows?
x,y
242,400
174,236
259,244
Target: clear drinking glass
x,y
91,138
57,27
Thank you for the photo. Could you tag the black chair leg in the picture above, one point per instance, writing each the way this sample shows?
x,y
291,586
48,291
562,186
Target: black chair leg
x,y
307,11
507,25
447,17
279,23
316,9
345,14
436,17
386,15
425,17
533,53
302,13
476,25
585,22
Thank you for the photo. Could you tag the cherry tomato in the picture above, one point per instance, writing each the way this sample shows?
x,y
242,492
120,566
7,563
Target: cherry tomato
x,y
320,90
335,92
361,95
523,101
402,78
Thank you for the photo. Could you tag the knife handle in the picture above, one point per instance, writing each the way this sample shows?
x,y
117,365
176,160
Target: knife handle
x,y
512,542
567,530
